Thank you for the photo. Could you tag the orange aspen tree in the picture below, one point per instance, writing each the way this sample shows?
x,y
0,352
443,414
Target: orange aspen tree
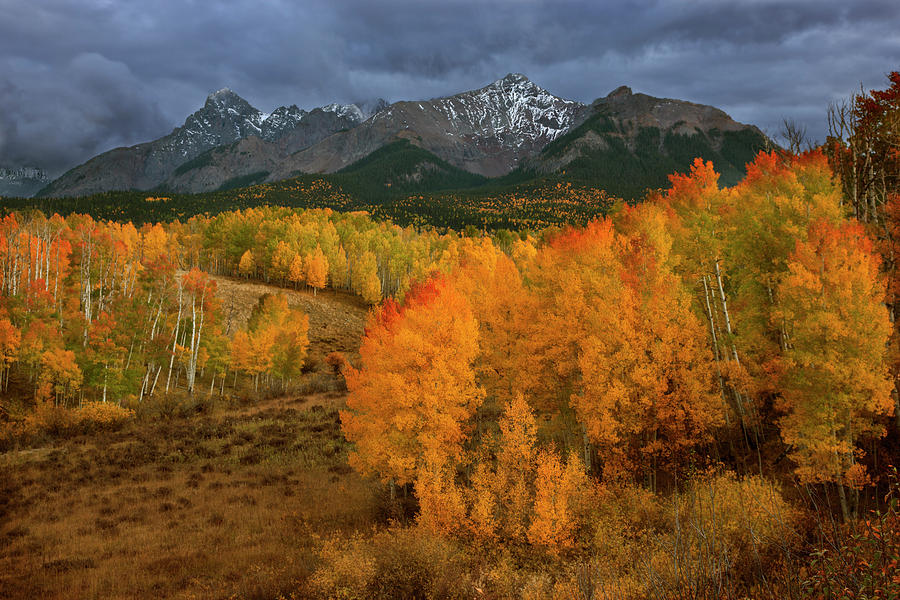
x,y
9,349
493,286
578,293
415,393
648,390
560,490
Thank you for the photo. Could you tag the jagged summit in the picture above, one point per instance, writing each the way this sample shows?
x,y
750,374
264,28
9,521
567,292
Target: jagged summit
x,y
516,109
513,82
371,106
227,98
511,78
622,91
224,119
486,131
224,92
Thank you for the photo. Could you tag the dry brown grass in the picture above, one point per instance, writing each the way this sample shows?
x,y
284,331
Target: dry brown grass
x,y
210,507
336,319
221,503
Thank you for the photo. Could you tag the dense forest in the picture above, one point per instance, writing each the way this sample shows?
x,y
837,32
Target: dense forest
x,y
694,396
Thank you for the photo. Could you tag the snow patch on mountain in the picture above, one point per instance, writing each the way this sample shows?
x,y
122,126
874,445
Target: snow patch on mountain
x,y
513,110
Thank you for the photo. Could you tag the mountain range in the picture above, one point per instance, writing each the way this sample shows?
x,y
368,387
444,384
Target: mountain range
x,y
22,181
623,142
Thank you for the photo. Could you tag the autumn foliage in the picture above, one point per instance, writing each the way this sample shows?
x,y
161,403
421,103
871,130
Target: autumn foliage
x,y
629,387
411,401
514,391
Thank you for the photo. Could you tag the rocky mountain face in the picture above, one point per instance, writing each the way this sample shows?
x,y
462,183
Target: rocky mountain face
x,y
511,123
22,182
486,131
225,118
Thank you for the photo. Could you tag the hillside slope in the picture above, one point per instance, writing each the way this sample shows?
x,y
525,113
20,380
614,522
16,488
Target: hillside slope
x,y
631,142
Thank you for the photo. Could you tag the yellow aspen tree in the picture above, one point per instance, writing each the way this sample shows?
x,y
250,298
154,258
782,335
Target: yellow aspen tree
x,y
365,278
482,496
60,375
337,264
281,260
315,266
441,505
297,274
247,264
835,386
370,288
516,466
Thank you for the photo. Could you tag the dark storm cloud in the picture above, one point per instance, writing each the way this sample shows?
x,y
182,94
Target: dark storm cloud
x,y
78,78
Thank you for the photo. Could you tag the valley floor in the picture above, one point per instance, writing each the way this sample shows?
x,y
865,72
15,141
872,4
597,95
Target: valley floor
x,y
206,506
217,504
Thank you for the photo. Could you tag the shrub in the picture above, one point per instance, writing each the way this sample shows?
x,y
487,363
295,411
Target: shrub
x,y
47,417
102,414
748,516
408,563
415,564
171,406
346,569
337,362
724,533
860,560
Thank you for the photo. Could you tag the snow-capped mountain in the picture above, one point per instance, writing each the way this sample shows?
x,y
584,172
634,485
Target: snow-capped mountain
x,y
282,120
21,182
512,110
489,131
225,118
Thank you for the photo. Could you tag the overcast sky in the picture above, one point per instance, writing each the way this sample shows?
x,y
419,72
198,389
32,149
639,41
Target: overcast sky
x,y
80,77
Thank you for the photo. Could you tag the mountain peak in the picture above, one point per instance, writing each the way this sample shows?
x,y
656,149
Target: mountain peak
x,y
620,92
513,78
221,94
226,97
371,106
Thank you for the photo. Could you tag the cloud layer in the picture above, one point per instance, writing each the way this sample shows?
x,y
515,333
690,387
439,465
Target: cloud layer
x,y
80,77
